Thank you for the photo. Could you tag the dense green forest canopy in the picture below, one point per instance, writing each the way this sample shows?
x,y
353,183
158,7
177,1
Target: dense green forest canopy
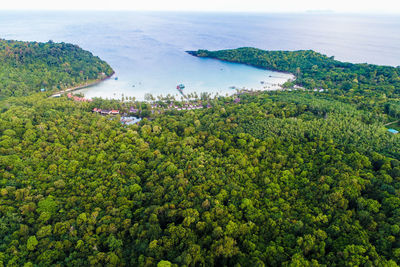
x,y
279,178
285,178
314,70
27,67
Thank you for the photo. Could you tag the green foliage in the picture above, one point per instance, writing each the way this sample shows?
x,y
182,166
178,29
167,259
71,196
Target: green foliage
x,y
27,67
32,243
164,264
314,70
393,109
283,178
286,178
47,205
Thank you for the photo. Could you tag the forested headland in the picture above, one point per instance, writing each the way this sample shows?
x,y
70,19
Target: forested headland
x,y
28,67
315,70
284,178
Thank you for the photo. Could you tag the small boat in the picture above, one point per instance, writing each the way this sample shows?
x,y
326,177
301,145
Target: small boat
x,y
232,87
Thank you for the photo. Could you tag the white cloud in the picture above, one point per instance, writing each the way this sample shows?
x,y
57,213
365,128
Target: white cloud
x,y
385,6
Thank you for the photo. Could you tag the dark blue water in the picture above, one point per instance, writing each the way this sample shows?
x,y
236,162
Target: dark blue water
x,y
146,49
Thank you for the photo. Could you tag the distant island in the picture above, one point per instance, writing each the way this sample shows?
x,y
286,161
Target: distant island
x,y
28,67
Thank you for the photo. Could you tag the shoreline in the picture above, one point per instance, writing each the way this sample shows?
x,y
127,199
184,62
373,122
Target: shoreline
x,y
263,87
193,53
82,86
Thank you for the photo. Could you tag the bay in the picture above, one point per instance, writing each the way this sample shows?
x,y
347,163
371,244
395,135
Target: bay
x,y
147,49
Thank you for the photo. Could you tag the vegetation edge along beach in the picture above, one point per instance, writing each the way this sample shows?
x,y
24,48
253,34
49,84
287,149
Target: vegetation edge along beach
x,y
314,70
29,67
83,85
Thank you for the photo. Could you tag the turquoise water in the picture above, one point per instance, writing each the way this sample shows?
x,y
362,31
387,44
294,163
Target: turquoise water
x,y
197,74
147,49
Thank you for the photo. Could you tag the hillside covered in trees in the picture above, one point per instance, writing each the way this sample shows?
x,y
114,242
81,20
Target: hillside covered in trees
x,y
314,70
27,67
285,178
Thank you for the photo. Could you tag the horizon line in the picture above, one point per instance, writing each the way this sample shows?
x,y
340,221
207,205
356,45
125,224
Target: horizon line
x,y
309,12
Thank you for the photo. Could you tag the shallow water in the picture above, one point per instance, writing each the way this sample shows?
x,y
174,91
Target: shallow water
x,y
147,49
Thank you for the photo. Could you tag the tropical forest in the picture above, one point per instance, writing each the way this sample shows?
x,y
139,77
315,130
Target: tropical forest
x,y
304,176
28,67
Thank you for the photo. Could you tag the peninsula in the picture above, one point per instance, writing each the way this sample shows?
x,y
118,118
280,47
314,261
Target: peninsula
x,y
314,70
29,67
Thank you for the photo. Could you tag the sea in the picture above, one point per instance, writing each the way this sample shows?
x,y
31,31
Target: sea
x,y
147,49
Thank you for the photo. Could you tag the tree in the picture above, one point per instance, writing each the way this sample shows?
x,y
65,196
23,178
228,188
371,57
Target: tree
x,y
32,243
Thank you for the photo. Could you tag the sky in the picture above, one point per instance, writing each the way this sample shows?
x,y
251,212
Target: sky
x,y
352,6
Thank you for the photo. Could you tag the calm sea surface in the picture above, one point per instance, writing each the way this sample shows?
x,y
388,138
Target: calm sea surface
x,y
147,49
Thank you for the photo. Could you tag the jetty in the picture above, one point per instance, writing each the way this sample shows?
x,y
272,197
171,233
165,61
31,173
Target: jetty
x,y
180,88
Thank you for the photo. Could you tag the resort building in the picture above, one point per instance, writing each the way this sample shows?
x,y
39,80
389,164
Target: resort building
x,y
133,110
106,111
